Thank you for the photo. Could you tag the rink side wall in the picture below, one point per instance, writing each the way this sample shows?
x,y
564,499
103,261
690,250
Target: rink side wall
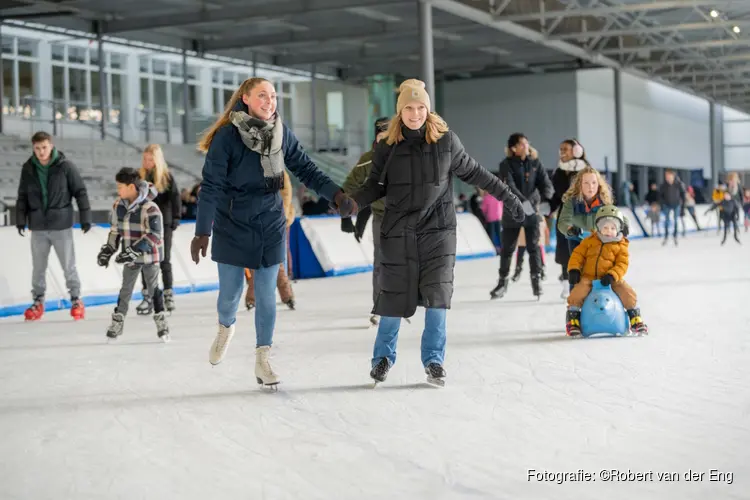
x,y
319,250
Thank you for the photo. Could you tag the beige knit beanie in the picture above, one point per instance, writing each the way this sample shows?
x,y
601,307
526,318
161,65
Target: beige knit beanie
x,y
412,90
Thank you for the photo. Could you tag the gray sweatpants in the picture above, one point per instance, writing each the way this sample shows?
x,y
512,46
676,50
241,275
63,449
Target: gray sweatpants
x,y
130,275
62,242
377,221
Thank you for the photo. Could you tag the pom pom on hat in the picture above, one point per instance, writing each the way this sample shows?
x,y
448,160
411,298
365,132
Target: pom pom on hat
x,y
412,90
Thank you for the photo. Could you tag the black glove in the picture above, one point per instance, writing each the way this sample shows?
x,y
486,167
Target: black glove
x,y
359,227
127,256
574,276
21,230
574,232
625,230
607,280
516,209
175,224
85,227
105,253
347,225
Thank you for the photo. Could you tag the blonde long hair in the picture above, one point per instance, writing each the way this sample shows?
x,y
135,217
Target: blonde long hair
x,y
574,192
435,128
244,88
160,172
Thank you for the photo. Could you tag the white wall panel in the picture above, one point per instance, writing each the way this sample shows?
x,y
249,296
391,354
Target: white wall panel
x,y
484,112
596,116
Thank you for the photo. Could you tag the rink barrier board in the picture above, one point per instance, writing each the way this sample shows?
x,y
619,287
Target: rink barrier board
x,y
312,242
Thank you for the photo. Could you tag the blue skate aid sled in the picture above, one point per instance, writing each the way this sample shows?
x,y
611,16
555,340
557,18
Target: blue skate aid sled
x,y
603,314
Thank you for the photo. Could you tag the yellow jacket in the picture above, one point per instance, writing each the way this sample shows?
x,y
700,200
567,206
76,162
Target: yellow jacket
x,y
594,259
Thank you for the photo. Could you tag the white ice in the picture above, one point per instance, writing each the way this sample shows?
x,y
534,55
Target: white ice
x,y
138,419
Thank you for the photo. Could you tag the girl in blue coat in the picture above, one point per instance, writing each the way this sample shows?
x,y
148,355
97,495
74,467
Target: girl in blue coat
x,y
247,151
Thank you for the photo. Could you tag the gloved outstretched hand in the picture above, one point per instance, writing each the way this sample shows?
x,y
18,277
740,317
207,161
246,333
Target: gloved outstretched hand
x,y
86,227
105,253
607,280
127,256
359,227
574,276
573,232
198,247
21,230
346,206
516,208
347,226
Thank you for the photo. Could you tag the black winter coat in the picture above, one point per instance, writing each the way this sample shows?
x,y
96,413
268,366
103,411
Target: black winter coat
x,y
169,202
672,194
63,184
418,232
528,181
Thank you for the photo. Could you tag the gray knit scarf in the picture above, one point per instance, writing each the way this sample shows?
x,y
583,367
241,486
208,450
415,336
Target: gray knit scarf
x,y
265,138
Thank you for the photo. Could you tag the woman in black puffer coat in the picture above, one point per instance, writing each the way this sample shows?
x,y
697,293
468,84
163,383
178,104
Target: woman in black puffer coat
x,y
154,170
572,160
413,169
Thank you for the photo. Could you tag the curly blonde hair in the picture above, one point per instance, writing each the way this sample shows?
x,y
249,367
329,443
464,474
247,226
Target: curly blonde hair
x,y
574,191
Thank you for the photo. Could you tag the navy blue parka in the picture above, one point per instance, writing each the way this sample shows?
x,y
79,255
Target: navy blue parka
x,y
248,223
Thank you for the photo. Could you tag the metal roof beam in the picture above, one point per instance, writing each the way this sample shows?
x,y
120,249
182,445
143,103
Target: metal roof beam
x,y
271,10
742,56
703,44
350,33
619,9
651,30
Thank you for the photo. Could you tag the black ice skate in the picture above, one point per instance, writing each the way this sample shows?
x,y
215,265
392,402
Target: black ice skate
x,y
162,328
517,272
536,287
637,326
500,290
543,273
115,328
435,374
291,304
573,323
169,300
146,306
380,371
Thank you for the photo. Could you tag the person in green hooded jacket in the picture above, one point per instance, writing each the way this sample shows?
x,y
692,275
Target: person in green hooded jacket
x,y
354,181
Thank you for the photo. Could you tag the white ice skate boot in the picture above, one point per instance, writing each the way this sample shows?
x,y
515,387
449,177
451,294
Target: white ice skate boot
x,y
565,292
264,374
220,345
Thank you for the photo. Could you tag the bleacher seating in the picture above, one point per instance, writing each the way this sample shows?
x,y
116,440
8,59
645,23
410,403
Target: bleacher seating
x,y
98,161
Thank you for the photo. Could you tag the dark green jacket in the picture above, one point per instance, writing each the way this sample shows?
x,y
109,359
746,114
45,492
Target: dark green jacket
x,y
358,177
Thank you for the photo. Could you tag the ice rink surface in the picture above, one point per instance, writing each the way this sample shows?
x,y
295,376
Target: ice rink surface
x,y
138,419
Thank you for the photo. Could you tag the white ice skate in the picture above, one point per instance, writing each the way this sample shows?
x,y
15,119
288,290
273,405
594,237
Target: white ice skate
x,y
220,345
162,328
264,374
565,291
115,328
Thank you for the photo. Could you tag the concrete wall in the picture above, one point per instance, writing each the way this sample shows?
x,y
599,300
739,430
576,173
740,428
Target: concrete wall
x,y
484,112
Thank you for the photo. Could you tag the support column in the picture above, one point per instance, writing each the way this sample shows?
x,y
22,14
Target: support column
x,y
622,169
716,139
185,99
102,80
425,47
2,85
43,93
313,114
130,110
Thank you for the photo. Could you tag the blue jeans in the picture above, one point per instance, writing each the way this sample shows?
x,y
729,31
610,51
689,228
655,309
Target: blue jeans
x,y
433,338
667,210
231,285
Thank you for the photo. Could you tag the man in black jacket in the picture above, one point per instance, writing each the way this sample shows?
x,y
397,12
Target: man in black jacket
x,y
671,197
49,182
524,174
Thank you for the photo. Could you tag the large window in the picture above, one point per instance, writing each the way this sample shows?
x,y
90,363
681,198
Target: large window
x,y
76,86
19,69
166,79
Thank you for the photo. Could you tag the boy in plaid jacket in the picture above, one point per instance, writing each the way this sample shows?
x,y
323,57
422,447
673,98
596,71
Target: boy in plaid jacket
x,y
137,225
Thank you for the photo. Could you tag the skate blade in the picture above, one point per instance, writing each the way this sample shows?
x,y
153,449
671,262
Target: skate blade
x,y
436,382
165,338
272,387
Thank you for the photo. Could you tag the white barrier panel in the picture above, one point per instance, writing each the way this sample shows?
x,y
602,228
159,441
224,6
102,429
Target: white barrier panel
x,y
635,229
204,275
339,253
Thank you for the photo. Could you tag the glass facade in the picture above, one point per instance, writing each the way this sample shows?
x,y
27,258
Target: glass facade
x,y
57,77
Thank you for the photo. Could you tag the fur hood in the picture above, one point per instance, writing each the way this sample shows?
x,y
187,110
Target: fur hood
x,y
532,153
573,165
